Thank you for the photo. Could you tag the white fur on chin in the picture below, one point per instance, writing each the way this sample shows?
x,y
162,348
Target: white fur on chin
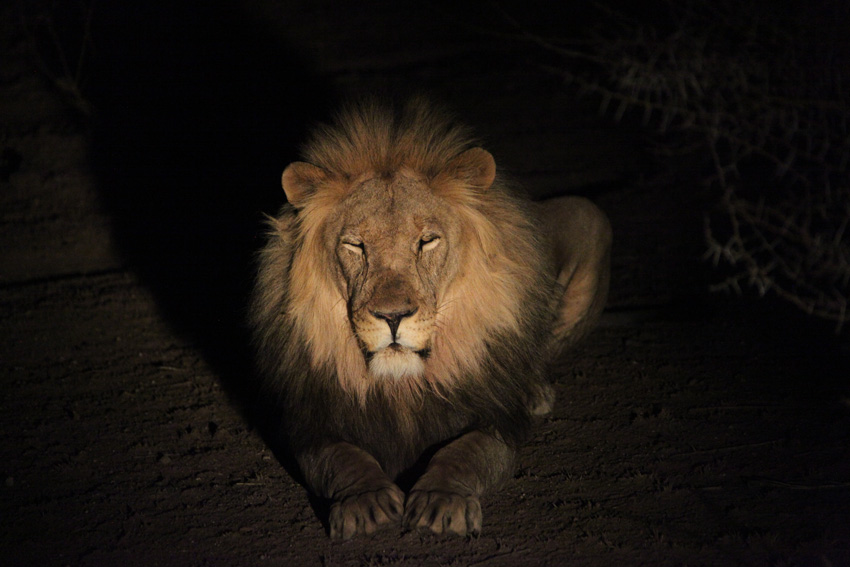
x,y
396,364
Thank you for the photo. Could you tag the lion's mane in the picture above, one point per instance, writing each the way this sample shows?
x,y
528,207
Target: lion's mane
x,y
488,358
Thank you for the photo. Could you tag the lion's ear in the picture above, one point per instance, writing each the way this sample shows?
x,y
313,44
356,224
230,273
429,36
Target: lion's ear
x,y
475,167
300,180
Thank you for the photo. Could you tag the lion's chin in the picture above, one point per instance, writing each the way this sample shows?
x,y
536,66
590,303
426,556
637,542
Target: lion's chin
x,y
395,363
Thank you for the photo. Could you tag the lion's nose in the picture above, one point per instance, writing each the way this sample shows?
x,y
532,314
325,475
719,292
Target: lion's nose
x,y
393,318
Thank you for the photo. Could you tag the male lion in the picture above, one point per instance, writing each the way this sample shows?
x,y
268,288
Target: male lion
x,y
406,308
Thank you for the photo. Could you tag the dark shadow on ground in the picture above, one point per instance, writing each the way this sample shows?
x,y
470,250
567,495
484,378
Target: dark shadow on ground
x,y
197,111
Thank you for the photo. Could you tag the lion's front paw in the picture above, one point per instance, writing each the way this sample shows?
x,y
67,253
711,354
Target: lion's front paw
x,y
365,513
442,512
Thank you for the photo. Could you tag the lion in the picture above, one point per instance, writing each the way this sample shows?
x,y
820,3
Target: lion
x,y
407,305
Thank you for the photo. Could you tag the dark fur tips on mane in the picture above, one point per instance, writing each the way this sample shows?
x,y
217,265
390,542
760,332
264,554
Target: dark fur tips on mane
x,y
372,137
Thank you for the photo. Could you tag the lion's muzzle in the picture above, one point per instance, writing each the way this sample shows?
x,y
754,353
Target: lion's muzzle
x,y
396,341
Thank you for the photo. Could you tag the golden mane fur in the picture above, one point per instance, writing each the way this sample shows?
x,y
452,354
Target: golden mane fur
x,y
499,302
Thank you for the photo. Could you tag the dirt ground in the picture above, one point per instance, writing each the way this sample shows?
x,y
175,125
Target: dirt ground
x,y
690,429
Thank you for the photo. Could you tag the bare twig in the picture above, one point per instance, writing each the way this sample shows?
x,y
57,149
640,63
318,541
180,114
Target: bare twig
x,y
72,58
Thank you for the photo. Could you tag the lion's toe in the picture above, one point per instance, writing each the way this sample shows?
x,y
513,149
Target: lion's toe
x,y
365,513
443,512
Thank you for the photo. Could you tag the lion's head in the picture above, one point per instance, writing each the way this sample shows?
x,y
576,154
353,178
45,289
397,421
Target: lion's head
x,y
406,257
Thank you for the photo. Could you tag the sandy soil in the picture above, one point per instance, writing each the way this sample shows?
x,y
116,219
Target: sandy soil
x,y
689,429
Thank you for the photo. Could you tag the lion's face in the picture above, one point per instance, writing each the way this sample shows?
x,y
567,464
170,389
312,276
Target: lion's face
x,y
396,247
404,275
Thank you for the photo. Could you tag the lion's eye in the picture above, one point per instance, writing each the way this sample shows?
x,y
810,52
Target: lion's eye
x,y
428,242
354,245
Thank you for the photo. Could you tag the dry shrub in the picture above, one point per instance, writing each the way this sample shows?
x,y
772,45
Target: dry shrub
x,y
760,94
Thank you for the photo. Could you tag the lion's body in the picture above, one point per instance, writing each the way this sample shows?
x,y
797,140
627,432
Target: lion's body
x,y
407,306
